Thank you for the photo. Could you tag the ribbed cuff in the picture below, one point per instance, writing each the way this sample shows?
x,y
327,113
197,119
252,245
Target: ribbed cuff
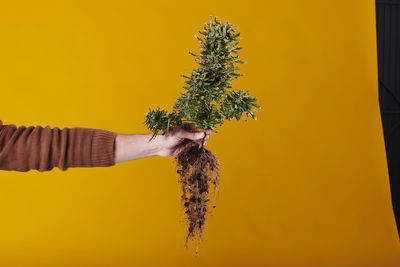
x,y
103,148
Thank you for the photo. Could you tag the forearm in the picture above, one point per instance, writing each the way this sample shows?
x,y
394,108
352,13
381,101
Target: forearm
x,y
136,146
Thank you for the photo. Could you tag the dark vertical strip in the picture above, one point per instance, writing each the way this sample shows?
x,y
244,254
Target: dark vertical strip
x,y
385,51
388,52
381,36
391,59
397,47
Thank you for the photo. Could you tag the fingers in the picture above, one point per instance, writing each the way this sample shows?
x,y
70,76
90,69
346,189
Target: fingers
x,y
190,127
191,135
208,132
188,131
186,146
182,145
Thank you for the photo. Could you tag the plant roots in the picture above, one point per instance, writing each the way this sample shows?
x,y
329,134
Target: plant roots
x,y
197,168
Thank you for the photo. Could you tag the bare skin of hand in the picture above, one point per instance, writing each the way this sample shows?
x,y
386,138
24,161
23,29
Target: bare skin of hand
x,y
135,146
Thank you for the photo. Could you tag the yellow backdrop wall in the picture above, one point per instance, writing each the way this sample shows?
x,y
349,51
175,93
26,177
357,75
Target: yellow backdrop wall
x,y
304,185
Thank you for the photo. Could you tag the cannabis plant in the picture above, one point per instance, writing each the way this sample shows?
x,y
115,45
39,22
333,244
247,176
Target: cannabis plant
x,y
207,102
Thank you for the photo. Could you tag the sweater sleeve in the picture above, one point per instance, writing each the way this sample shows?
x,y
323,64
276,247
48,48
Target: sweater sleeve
x,y
34,147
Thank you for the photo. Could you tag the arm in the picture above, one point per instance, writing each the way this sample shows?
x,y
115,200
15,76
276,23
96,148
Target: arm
x,y
135,146
34,147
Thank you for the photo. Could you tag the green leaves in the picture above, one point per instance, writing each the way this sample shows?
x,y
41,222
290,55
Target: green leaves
x,y
207,100
159,120
237,103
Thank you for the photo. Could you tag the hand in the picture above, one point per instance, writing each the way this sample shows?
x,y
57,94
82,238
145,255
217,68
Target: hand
x,y
183,137
136,146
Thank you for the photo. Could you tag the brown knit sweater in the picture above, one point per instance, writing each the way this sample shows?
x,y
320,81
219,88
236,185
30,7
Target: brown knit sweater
x,y
34,147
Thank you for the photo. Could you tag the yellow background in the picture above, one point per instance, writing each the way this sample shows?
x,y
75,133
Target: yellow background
x,y
304,185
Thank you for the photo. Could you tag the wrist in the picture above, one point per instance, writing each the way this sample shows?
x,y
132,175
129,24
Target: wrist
x,y
156,145
135,146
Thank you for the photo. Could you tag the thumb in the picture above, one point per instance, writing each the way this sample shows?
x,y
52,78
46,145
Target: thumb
x,y
191,135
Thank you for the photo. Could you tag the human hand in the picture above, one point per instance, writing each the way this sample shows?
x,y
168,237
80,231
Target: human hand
x,y
182,137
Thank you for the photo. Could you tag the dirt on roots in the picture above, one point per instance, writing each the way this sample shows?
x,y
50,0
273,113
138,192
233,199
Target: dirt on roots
x,y
197,168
